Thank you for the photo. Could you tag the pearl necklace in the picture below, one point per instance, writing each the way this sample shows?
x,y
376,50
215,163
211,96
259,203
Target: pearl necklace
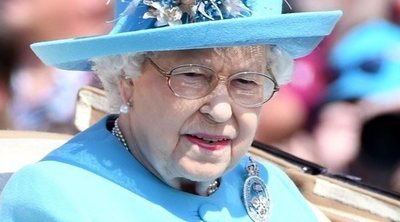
x,y
116,131
213,187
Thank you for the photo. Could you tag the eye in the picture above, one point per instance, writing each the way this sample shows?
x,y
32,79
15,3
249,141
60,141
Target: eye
x,y
246,82
193,74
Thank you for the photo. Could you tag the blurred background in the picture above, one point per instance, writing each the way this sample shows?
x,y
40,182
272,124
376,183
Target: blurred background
x,y
342,110
34,96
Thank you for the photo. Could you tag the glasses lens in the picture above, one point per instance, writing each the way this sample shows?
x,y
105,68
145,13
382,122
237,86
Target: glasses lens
x,y
191,81
251,89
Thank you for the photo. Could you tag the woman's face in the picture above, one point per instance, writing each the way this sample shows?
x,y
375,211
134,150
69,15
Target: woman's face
x,y
196,140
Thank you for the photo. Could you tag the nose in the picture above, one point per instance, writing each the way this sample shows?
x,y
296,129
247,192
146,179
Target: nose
x,y
218,106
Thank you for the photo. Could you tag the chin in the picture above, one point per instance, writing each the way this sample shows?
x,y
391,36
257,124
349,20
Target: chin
x,y
204,172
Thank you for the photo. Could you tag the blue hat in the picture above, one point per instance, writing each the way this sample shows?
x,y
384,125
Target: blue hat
x,y
367,61
162,25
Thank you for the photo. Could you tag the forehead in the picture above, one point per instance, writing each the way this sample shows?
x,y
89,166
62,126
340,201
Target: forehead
x,y
234,56
247,51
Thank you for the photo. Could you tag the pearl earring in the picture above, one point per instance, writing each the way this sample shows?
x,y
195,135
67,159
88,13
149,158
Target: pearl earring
x,y
124,108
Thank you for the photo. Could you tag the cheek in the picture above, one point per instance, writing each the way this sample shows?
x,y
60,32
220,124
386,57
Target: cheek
x,y
159,111
151,106
247,124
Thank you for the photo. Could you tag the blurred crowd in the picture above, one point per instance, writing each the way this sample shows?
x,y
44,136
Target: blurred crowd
x,y
343,108
341,111
35,96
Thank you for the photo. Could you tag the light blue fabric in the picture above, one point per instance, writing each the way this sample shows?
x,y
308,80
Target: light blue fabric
x,y
93,178
296,33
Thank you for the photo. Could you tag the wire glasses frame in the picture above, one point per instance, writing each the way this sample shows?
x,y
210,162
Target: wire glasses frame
x,y
245,95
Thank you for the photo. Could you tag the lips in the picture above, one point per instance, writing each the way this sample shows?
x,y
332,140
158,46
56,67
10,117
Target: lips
x,y
209,142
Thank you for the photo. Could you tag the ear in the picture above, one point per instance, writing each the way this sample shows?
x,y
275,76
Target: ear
x,y
126,88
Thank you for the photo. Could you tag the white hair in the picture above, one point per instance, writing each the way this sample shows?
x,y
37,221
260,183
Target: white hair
x,y
109,68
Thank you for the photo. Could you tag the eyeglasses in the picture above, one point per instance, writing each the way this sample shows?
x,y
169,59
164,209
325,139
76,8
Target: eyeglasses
x,y
192,81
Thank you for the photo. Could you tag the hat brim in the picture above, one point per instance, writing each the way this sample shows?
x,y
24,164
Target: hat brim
x,y
296,33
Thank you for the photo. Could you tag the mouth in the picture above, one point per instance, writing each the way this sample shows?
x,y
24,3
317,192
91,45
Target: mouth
x,y
209,142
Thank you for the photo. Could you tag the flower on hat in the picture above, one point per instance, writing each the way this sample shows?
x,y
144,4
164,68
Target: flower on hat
x,y
166,14
176,12
236,8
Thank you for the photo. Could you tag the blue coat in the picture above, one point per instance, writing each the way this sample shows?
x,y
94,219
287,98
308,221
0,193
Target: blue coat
x,y
93,178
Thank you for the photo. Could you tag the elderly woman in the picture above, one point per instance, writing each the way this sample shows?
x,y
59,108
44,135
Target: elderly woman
x,y
189,98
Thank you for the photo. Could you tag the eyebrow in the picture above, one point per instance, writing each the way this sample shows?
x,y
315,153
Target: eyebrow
x,y
192,57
